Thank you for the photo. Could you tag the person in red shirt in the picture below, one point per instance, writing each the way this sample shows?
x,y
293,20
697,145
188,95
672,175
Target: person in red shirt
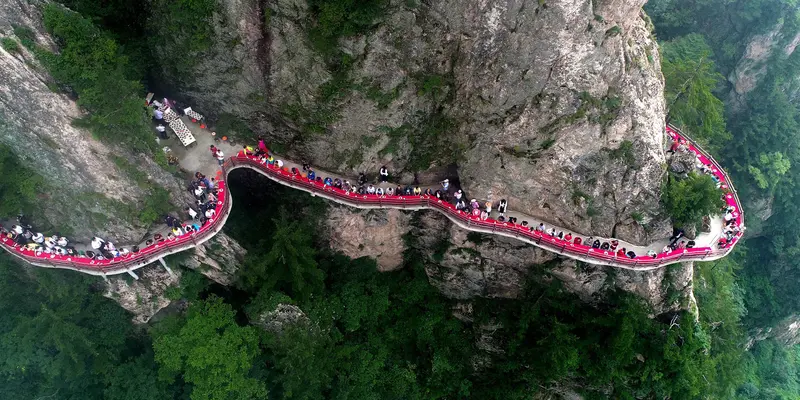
x,y
568,237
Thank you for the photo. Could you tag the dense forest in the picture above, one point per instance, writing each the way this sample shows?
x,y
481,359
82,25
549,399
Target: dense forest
x,y
355,333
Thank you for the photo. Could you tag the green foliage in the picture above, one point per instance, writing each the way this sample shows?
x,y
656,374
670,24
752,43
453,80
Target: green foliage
x,y
624,153
58,334
212,353
155,206
288,264
93,66
435,85
21,188
26,36
761,158
381,98
334,19
690,78
613,31
183,31
689,200
769,170
10,45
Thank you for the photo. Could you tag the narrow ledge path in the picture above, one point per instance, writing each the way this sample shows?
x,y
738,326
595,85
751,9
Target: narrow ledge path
x,y
197,157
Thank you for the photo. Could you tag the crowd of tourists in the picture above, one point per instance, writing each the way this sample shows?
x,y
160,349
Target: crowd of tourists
x,y
731,227
23,234
444,191
199,213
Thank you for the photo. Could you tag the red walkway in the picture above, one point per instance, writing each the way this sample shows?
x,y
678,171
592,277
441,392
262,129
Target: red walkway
x,y
581,252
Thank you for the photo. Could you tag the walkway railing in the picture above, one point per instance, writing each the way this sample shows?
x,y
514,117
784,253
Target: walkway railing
x,y
581,252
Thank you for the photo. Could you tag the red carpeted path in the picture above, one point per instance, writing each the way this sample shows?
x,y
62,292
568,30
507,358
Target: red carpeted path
x,y
581,252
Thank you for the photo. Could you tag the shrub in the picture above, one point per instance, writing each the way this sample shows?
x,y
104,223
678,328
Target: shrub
x,y
625,153
340,18
690,199
26,36
10,45
93,66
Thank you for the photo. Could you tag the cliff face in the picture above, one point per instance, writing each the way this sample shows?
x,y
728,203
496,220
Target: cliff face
x,y
556,107
465,265
87,192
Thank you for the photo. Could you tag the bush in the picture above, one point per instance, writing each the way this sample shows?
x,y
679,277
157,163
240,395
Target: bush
x,y
690,199
10,45
19,186
340,18
92,65
26,36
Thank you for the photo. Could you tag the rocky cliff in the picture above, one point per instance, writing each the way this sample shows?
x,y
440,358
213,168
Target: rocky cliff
x,y
556,107
464,265
92,187
88,191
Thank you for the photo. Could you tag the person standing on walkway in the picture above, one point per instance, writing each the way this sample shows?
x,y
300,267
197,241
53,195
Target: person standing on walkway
x,y
158,115
213,150
162,131
384,174
220,156
192,213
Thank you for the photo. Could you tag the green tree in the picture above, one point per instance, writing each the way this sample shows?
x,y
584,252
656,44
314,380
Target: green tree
x,y
290,260
93,66
211,352
20,187
690,78
770,169
689,200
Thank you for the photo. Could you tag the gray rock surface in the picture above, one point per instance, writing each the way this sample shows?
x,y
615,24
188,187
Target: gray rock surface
x,y
143,297
276,320
540,103
218,259
787,331
465,265
373,233
87,192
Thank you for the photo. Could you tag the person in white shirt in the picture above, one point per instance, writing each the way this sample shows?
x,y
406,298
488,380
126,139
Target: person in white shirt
x,y
192,212
210,213
97,243
502,207
38,238
162,131
49,242
62,241
370,189
158,114
446,184
384,174
220,156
